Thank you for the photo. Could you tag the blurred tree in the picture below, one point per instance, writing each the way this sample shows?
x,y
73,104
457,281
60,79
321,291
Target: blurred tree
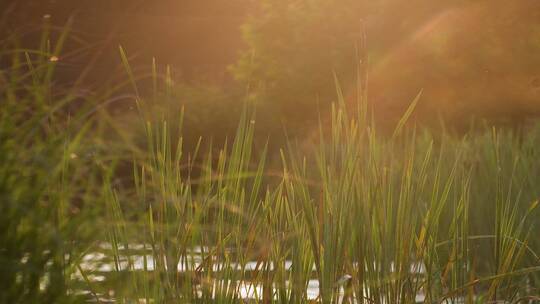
x,y
294,48
470,57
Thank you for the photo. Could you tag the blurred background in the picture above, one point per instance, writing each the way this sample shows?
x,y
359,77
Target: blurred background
x,y
473,60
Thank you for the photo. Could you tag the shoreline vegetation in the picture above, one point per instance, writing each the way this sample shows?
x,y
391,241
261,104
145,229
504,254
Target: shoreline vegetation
x,y
352,217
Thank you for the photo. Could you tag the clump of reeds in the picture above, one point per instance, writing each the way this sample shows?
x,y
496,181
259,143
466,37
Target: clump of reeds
x,y
374,219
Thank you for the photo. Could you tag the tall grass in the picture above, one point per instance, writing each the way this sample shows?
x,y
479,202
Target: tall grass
x,y
47,178
373,219
369,218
